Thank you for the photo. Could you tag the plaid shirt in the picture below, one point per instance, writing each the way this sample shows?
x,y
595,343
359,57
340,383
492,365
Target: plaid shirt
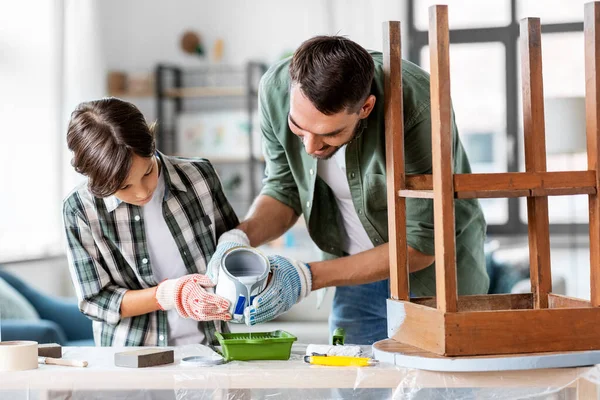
x,y
108,254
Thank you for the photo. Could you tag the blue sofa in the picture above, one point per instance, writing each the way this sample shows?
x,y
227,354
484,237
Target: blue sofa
x,y
60,319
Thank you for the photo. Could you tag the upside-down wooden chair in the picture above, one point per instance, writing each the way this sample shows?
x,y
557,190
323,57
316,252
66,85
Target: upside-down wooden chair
x,y
452,325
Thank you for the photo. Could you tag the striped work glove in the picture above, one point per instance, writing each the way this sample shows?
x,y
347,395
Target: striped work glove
x,y
228,240
188,295
291,282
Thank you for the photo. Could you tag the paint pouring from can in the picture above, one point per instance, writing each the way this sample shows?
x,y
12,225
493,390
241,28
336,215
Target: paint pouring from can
x,y
243,276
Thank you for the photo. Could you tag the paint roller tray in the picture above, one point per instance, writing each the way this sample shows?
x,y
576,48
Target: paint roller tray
x,y
276,345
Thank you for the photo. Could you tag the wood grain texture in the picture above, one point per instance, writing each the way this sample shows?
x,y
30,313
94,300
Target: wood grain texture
x,y
442,162
419,182
522,331
417,325
416,194
592,104
517,301
509,184
394,138
53,350
535,158
559,301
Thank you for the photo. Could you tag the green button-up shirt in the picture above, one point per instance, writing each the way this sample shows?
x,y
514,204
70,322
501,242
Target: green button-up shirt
x,y
291,177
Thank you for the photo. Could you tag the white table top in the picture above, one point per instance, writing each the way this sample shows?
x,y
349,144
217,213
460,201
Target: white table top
x,y
294,373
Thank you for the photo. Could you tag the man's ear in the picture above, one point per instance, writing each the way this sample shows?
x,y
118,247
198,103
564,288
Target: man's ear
x,y
367,107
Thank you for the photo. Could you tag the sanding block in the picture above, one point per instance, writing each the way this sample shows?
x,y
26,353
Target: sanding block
x,y
53,350
144,358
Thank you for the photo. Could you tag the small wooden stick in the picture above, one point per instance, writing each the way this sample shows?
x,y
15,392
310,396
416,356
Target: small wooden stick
x,y
62,361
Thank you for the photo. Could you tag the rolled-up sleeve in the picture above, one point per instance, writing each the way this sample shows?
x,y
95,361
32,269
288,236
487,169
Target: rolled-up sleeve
x,y
279,182
98,297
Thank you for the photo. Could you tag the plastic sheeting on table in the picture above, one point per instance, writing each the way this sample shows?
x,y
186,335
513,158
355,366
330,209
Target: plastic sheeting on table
x,y
286,380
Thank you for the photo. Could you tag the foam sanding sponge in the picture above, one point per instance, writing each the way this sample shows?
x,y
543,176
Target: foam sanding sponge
x,y
144,358
52,350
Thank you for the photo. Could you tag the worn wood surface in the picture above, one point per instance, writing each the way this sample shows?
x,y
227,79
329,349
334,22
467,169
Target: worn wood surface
x,y
441,136
419,325
522,331
592,108
559,301
509,184
535,158
485,302
394,138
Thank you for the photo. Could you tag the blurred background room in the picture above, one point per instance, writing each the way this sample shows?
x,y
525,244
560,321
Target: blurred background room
x,y
194,67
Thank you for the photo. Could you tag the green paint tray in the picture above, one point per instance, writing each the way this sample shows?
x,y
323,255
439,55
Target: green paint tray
x,y
276,345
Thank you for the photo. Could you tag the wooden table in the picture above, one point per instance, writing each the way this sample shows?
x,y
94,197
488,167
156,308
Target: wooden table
x,y
242,377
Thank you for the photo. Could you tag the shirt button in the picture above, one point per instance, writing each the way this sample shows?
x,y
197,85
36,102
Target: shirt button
x,y
137,218
352,175
145,261
359,212
376,240
311,171
308,204
161,338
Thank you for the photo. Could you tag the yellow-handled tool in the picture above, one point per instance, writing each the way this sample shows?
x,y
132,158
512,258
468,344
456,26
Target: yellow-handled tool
x,y
339,361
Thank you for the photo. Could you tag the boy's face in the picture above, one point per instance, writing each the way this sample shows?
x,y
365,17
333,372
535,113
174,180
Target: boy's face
x,y
141,181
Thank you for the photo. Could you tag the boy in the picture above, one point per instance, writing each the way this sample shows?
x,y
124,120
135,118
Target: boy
x,y
141,231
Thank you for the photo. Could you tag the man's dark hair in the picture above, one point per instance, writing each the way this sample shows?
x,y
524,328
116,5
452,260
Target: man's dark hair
x,y
333,72
103,136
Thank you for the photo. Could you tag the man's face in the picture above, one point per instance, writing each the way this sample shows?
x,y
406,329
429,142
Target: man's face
x,y
322,135
141,182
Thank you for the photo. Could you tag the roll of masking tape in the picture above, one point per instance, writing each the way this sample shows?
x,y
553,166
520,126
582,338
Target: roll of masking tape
x,y
18,355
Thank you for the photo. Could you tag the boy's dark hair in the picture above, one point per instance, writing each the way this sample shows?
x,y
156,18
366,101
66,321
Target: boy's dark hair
x,y
333,72
103,136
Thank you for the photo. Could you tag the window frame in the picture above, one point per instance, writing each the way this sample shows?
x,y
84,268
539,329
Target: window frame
x,y
507,35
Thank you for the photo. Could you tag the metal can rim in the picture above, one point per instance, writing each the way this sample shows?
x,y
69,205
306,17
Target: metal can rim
x,y
250,250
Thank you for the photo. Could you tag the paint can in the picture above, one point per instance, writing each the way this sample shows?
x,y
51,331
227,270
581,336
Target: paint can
x,y
243,275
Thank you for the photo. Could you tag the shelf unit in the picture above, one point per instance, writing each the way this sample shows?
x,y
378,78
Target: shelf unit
x,y
205,89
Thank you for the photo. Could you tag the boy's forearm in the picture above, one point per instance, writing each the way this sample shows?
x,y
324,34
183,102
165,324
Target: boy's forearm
x,y
366,267
267,220
139,302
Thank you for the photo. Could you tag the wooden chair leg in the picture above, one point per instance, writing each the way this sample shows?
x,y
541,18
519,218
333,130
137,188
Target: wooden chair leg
x,y
443,174
394,138
592,93
535,159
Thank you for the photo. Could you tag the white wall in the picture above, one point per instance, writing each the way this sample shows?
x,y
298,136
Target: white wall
x,y
30,113
139,33
84,69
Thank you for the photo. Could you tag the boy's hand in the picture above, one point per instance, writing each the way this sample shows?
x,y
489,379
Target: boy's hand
x,y
291,282
228,240
189,296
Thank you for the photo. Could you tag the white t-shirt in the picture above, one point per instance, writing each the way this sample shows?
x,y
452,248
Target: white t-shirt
x,y
333,172
167,263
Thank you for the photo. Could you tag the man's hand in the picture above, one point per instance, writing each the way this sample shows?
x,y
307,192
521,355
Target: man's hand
x,y
291,282
188,295
228,240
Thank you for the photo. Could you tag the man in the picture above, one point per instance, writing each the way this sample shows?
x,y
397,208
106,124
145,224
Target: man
x,y
322,121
